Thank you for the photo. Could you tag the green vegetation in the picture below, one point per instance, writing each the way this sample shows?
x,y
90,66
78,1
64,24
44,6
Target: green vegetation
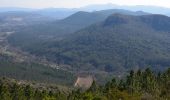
x,y
86,43
34,72
14,91
118,44
38,33
137,86
140,85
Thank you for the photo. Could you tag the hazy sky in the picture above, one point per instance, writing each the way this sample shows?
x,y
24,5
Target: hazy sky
x,y
77,3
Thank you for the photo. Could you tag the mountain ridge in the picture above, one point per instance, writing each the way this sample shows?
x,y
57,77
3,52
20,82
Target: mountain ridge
x,y
117,46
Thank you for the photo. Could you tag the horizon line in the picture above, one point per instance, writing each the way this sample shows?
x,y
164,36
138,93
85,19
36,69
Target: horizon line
x,y
80,7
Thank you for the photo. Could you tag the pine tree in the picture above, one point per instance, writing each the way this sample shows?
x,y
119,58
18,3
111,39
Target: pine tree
x,y
28,92
4,92
16,92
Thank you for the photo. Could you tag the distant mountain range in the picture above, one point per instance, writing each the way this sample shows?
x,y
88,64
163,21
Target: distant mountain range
x,y
57,13
6,9
65,12
149,9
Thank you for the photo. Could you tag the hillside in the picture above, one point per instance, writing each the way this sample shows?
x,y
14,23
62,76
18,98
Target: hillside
x,y
118,44
34,72
71,24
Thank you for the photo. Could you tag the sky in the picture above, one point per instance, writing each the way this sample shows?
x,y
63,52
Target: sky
x,y
78,3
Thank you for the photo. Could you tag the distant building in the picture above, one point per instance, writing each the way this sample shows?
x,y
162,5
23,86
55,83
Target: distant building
x,y
84,82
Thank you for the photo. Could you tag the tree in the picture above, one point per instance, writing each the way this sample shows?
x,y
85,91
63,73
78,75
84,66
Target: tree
x,y
4,92
94,87
16,92
28,91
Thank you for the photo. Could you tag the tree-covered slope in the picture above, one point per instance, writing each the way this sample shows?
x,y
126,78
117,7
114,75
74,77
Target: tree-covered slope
x,y
119,43
35,72
60,28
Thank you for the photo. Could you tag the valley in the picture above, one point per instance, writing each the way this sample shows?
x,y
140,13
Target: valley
x,y
19,55
85,53
14,60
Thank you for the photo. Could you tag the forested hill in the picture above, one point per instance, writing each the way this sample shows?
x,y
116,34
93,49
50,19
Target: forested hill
x,y
67,25
119,43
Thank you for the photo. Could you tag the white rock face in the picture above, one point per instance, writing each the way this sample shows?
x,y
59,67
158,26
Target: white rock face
x,y
84,82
